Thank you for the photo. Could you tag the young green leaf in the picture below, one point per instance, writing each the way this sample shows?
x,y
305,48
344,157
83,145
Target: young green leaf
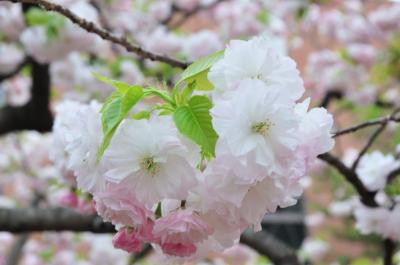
x,y
118,85
115,109
194,121
198,71
158,93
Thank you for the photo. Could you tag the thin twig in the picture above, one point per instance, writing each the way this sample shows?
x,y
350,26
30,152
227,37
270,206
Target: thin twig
x,y
104,34
379,121
371,140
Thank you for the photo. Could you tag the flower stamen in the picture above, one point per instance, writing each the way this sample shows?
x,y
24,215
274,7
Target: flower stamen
x,y
148,165
261,127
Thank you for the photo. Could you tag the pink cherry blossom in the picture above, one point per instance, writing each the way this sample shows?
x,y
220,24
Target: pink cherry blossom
x,y
127,240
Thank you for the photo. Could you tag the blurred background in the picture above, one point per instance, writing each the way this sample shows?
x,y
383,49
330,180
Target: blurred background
x,y
348,52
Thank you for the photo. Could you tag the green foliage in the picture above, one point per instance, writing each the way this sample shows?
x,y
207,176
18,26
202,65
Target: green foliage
x,y
141,115
263,16
194,121
393,189
47,255
263,260
197,71
370,112
301,13
159,93
51,21
116,107
365,261
343,53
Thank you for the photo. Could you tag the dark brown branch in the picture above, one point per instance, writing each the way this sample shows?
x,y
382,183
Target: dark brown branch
x,y
379,121
35,115
367,197
389,248
268,245
104,34
24,220
16,70
329,96
393,174
371,140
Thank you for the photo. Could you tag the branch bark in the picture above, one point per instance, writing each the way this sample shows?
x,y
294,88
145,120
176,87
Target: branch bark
x,y
266,244
379,121
104,34
35,115
13,72
24,220
389,247
367,197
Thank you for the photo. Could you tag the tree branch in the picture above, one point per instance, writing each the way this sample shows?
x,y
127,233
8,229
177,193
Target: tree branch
x,y
35,115
379,121
23,220
104,34
367,197
389,248
15,71
266,244
393,174
329,96
371,140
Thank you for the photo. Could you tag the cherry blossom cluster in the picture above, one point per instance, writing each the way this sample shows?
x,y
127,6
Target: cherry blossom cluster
x,y
158,186
354,67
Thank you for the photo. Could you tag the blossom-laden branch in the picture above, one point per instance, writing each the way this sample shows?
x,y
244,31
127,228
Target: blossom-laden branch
x,y
104,34
367,196
24,220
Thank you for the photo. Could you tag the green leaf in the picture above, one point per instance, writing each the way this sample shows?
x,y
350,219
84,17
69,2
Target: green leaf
x,y
187,92
194,121
198,71
115,109
141,115
118,85
393,189
263,16
158,93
